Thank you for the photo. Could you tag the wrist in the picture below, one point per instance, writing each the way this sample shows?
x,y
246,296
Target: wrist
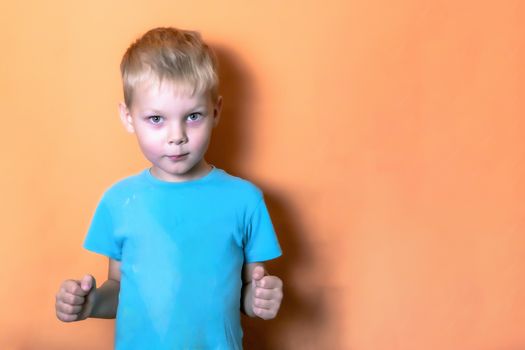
x,y
90,304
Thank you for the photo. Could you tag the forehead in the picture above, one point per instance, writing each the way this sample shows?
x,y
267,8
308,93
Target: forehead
x,y
167,94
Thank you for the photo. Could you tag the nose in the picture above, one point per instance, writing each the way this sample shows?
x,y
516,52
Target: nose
x,y
177,135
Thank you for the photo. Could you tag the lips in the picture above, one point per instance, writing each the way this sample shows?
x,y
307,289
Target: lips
x,y
178,156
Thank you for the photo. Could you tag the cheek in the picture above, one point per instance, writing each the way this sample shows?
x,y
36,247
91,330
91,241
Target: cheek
x,y
149,141
201,139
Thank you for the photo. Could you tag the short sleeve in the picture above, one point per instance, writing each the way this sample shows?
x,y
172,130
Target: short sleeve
x,y
261,242
101,237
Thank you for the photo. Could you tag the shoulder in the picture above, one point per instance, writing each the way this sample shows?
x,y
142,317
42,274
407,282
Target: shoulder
x,y
124,186
238,187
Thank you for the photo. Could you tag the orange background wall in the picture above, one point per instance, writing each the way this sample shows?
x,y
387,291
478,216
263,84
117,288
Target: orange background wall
x,y
387,136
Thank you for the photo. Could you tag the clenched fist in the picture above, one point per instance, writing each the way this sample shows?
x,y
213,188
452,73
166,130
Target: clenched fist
x,y
267,294
75,299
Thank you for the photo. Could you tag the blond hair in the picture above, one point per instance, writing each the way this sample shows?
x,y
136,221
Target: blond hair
x,y
179,56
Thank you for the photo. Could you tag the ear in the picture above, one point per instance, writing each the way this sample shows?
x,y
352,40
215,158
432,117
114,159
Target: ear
x,y
125,117
217,108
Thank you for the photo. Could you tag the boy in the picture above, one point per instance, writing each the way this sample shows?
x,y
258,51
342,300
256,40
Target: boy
x,y
185,240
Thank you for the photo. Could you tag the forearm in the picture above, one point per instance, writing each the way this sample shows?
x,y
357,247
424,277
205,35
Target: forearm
x,y
106,300
247,299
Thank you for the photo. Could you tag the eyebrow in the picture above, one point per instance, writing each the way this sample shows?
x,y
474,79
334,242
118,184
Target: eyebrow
x,y
151,111
196,108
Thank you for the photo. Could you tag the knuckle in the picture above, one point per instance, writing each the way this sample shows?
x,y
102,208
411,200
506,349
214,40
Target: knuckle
x,y
63,298
59,306
71,299
257,312
68,309
71,318
66,318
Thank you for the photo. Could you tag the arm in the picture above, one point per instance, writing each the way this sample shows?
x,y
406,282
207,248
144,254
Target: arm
x,y
106,297
79,299
261,294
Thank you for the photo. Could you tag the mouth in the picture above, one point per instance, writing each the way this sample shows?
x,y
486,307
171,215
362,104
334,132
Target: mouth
x,y
178,156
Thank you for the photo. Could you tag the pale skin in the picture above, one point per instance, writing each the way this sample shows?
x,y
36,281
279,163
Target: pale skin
x,y
173,131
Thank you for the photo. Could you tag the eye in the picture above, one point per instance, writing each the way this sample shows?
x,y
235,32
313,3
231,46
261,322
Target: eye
x,y
155,119
194,117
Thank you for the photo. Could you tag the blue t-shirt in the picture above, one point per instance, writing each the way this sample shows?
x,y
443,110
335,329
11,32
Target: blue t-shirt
x,y
182,246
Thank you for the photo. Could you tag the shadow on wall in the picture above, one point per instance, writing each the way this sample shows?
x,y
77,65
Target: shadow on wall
x,y
230,141
231,138
299,313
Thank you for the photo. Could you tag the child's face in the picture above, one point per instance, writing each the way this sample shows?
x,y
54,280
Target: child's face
x,y
173,129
